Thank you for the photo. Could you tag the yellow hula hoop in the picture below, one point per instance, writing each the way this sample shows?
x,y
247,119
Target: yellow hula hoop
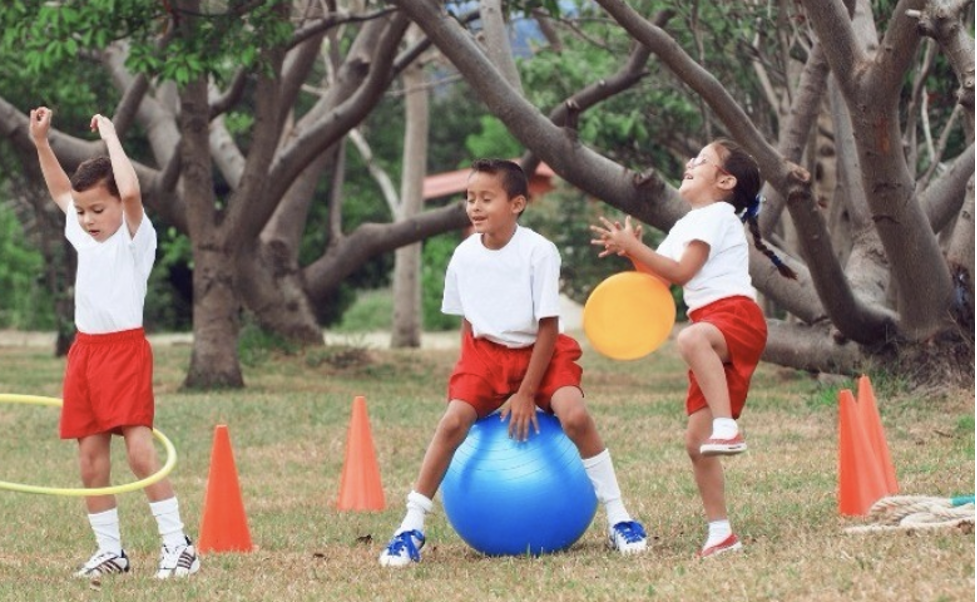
x,y
83,491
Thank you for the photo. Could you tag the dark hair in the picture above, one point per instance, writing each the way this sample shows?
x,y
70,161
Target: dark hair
x,y
513,178
746,195
91,173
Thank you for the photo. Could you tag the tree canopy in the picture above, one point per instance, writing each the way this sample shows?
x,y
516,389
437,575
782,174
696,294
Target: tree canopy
x,y
860,114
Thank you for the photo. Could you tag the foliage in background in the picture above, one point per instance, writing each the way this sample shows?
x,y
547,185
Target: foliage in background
x,y
434,262
24,302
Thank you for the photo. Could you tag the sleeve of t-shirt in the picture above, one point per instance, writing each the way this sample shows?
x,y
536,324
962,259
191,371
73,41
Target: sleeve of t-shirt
x,y
546,282
143,245
72,229
708,229
450,301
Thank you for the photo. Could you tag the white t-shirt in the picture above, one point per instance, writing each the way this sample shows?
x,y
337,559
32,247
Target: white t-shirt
x,y
726,272
110,286
504,293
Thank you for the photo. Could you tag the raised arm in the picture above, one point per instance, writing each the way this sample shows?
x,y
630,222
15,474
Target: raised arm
x,y
125,174
56,179
618,239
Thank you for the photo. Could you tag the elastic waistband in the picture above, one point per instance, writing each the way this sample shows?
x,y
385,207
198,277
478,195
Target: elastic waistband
x,y
719,304
110,337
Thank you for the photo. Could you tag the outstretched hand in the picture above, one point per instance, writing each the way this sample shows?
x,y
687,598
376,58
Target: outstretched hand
x,y
614,237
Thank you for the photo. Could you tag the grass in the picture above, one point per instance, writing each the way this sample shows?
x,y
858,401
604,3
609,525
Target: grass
x,y
288,432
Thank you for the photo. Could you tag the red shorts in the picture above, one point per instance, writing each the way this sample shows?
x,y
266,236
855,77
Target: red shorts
x,y
742,324
108,384
487,373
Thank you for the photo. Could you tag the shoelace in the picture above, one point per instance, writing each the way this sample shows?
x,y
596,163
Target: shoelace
x,y
405,541
631,531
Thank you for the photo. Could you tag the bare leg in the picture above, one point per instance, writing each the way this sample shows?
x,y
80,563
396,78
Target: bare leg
x,y
450,433
708,470
703,347
144,461
95,463
568,406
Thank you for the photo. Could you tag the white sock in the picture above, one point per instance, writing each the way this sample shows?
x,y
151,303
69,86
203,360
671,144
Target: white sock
x,y
600,470
106,527
724,428
719,530
167,514
418,507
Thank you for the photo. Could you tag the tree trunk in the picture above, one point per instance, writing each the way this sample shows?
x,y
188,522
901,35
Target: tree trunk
x,y
216,303
407,318
216,307
271,286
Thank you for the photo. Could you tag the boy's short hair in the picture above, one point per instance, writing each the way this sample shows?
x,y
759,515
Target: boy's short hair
x,y
513,178
91,173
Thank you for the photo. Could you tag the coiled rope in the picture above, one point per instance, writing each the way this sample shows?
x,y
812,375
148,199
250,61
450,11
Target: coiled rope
x,y
903,512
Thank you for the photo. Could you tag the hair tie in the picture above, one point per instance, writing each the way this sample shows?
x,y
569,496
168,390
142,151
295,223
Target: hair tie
x,y
753,209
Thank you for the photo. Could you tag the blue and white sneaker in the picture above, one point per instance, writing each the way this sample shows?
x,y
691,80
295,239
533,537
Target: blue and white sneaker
x,y
403,549
628,537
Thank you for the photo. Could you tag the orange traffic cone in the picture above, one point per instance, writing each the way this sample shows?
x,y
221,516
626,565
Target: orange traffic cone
x,y
869,413
360,487
860,479
224,527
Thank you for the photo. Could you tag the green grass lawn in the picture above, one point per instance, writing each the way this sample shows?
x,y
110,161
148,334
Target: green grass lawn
x,y
288,432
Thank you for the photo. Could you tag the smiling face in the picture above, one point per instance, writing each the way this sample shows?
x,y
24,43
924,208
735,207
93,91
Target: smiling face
x,y
99,212
492,212
705,180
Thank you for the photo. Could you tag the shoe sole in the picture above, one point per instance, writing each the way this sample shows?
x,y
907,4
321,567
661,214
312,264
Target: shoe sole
x,y
722,450
628,550
394,563
736,547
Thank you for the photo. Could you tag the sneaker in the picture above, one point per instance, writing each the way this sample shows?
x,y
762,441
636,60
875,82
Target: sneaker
x,y
730,544
178,561
627,537
104,563
723,447
403,549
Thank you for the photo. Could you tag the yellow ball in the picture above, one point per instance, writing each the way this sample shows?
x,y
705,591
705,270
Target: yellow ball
x,y
629,315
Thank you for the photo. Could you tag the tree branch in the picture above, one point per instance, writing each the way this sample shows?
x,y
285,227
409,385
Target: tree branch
x,y
368,240
810,348
380,176
943,198
942,21
327,131
803,113
496,38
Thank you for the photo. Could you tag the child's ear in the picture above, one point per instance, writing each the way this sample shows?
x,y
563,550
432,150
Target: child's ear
x,y
519,203
727,182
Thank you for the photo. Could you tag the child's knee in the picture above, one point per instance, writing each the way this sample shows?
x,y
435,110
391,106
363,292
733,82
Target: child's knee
x,y
93,467
576,421
142,460
454,426
688,340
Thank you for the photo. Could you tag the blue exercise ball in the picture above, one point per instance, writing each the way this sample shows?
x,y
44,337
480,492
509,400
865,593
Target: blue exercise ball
x,y
507,497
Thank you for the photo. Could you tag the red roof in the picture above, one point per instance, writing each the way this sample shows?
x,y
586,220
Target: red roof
x,y
453,182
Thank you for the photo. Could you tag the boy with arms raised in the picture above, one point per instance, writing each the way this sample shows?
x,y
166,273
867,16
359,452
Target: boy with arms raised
x,y
108,384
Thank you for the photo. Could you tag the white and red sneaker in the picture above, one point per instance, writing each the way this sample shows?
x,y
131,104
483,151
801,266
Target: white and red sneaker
x,y
730,544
